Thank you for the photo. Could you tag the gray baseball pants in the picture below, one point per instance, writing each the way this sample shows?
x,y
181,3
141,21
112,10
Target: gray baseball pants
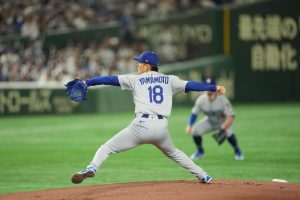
x,y
149,130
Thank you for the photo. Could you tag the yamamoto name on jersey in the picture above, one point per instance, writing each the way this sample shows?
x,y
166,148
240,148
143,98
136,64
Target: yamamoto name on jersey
x,y
151,80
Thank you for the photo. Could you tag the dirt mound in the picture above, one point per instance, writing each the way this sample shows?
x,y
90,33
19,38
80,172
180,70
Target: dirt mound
x,y
165,190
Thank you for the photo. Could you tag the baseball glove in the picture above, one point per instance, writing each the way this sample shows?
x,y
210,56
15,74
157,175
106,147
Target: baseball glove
x,y
220,136
76,90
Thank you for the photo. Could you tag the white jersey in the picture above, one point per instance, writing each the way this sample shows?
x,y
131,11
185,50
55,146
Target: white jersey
x,y
152,91
216,110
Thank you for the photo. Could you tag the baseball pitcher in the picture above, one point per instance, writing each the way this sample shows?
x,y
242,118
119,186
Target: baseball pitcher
x,y
152,96
219,117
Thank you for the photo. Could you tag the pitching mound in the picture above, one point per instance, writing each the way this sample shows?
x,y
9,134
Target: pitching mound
x,y
175,190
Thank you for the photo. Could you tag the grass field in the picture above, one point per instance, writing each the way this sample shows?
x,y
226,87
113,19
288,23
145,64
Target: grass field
x,y
42,152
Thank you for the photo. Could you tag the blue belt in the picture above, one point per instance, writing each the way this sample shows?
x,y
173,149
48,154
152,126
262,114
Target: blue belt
x,y
147,116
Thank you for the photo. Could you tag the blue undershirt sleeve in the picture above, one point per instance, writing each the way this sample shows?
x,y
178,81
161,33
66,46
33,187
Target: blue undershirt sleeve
x,y
192,119
196,86
103,80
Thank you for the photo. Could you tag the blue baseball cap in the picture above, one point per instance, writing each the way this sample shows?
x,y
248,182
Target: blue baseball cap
x,y
210,81
147,57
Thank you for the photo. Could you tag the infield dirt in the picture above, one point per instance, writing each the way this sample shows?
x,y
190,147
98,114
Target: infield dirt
x,y
165,190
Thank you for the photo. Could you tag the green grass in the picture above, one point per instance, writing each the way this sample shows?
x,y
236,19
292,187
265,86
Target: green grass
x,y
42,152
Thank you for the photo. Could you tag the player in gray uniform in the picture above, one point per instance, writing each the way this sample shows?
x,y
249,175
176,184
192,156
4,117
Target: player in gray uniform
x,y
152,95
219,117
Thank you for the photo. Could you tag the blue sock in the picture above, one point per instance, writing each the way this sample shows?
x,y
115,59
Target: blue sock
x,y
198,142
233,141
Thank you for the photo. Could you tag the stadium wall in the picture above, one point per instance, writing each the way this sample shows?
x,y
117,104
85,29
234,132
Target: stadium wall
x,y
265,45
49,100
